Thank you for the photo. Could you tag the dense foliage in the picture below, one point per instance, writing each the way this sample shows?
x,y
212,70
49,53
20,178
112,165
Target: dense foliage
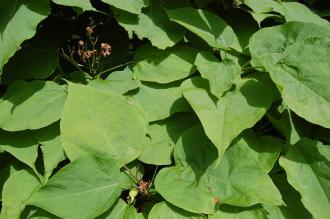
x,y
164,109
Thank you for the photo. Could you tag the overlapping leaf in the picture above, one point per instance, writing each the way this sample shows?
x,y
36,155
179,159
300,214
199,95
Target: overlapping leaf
x,y
88,181
226,118
206,184
207,26
295,54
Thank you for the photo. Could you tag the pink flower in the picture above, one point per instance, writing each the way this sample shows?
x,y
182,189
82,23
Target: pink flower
x,y
105,49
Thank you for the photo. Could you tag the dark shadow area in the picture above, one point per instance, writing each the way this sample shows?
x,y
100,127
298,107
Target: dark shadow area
x,y
197,150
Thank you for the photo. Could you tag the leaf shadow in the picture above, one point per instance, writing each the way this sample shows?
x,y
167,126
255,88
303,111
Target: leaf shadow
x,y
199,152
17,98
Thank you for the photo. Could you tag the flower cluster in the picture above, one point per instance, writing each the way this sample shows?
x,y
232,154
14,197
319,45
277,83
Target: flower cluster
x,y
89,51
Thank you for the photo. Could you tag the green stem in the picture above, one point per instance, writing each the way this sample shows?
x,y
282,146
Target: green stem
x,y
130,175
71,61
153,177
113,68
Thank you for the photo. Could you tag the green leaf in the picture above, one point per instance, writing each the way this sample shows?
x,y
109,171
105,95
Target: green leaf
x,y
164,210
16,191
51,147
231,212
292,127
101,124
85,5
293,208
207,26
263,6
295,54
39,62
21,145
198,184
18,22
307,165
31,212
164,66
115,86
31,105
221,75
132,6
294,11
231,114
170,96
154,25
84,189
162,136
121,211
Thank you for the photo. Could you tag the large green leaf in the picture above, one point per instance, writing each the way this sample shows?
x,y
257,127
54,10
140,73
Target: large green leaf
x,y
162,136
307,165
84,189
21,145
51,147
198,184
221,75
231,114
231,212
18,22
132,6
164,210
164,66
31,105
16,191
102,124
207,26
167,100
296,56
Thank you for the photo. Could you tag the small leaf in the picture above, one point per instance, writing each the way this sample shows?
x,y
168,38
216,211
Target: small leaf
x,y
164,66
16,191
51,147
221,75
162,136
